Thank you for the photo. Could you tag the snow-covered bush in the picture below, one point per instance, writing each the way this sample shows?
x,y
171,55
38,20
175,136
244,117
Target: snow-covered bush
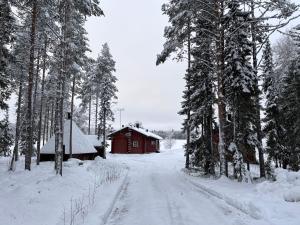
x,y
169,141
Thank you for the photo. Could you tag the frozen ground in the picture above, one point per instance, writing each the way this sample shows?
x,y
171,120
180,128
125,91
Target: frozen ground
x,y
154,190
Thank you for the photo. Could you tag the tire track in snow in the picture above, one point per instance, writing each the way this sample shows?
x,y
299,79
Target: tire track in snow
x,y
113,209
220,200
174,213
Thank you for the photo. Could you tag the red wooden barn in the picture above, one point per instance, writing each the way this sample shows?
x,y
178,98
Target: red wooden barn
x,y
135,140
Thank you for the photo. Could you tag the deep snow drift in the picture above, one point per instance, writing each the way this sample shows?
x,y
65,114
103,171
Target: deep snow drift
x,y
150,189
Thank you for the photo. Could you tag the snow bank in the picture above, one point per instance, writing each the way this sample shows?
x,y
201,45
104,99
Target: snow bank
x,y
41,197
276,202
245,206
286,186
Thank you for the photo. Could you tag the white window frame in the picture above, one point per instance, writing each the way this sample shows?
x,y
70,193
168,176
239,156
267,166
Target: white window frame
x,y
135,144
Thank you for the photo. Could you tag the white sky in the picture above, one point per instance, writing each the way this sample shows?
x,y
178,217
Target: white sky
x,y
134,31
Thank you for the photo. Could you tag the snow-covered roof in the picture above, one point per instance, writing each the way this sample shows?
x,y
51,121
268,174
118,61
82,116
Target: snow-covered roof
x,y
93,139
80,144
140,130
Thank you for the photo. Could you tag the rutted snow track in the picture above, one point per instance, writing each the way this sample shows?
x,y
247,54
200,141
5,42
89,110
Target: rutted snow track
x,y
114,210
156,194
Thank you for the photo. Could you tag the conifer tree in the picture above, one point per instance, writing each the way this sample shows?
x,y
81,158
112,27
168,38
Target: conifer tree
x,y
202,97
178,41
272,129
105,66
290,102
7,28
6,137
240,82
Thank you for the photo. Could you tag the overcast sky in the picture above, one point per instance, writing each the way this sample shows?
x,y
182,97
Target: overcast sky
x,y
134,31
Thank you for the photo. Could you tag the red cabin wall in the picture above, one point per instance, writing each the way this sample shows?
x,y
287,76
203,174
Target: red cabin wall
x,y
120,143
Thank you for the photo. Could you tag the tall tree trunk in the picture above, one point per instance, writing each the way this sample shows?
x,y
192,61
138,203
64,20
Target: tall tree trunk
x,y
220,92
52,118
36,82
29,130
71,116
41,105
15,156
47,121
96,114
188,127
56,124
90,111
18,122
104,132
61,128
210,141
257,92
62,80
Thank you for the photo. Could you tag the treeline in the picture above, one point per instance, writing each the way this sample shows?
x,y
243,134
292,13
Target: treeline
x,y
174,134
44,61
222,41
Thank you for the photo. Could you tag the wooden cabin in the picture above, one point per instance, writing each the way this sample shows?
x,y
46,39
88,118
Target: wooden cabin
x,y
83,146
134,140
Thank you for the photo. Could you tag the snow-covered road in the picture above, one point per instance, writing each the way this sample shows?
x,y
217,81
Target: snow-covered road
x,y
157,193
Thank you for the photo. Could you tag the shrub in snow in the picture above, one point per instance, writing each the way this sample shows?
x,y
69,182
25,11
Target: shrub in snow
x,y
238,165
269,170
169,141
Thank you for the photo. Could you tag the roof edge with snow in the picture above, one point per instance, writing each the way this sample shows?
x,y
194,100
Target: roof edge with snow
x,y
139,130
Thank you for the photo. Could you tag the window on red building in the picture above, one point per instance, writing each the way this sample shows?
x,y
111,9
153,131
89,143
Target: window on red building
x,y
135,144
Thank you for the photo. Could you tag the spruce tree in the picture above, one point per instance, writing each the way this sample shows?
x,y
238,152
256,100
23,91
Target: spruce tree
x,y
240,82
290,108
202,97
6,137
272,129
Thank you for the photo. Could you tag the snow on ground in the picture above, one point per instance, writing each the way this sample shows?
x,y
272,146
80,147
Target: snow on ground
x,y
40,197
154,190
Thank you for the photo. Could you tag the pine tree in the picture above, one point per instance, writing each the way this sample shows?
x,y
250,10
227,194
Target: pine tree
x,y
71,21
105,66
80,47
6,137
19,70
178,41
87,90
202,97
